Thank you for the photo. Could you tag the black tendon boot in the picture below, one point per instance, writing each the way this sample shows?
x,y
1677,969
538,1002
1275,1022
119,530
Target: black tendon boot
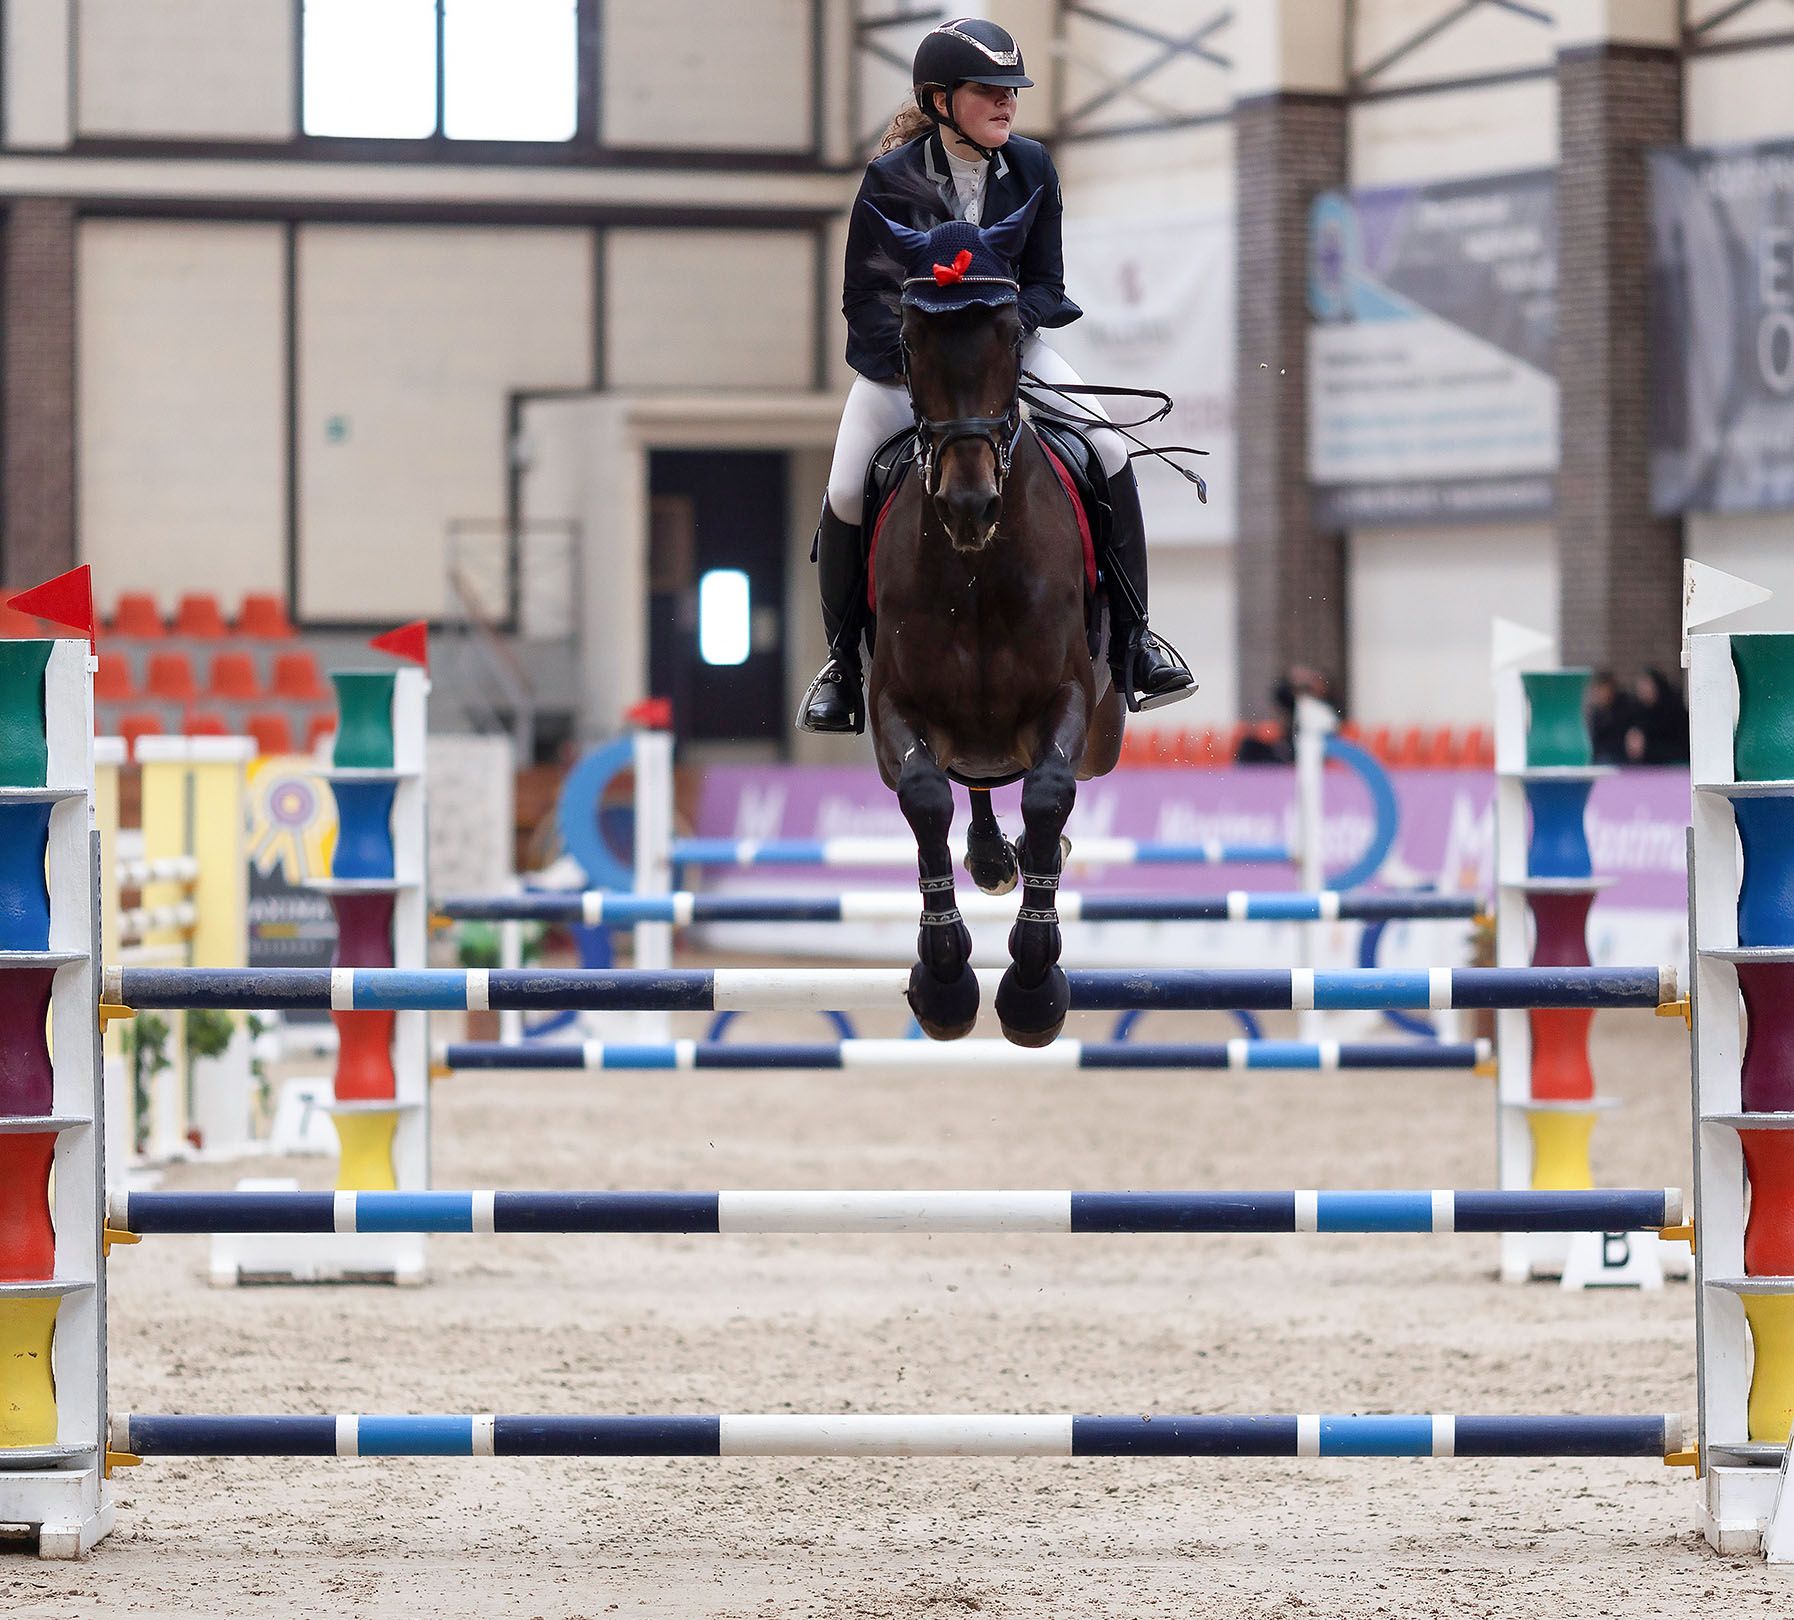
x,y
836,700
1150,673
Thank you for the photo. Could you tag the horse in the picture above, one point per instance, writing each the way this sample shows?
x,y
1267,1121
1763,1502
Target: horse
x,y
981,671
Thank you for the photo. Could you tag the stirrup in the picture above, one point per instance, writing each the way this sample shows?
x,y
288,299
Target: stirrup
x,y
1130,687
833,673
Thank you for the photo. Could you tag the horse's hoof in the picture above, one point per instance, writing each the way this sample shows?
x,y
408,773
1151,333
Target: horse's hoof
x,y
995,871
945,1008
1033,1016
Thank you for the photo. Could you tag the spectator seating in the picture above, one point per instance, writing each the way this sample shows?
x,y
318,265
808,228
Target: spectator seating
x,y
198,617
264,618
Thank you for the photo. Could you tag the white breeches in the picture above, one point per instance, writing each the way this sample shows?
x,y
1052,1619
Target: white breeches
x,y
876,410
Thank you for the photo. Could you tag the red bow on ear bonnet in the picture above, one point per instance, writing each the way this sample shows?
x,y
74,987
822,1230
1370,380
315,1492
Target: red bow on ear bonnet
x,y
946,274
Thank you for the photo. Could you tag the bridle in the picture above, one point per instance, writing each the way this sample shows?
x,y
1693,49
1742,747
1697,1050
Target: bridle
x,y
936,435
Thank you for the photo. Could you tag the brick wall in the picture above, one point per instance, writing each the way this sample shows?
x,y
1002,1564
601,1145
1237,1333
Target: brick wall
x,y
37,391
1290,600
1619,566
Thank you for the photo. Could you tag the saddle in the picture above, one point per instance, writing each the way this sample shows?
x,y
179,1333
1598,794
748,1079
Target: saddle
x,y
1086,486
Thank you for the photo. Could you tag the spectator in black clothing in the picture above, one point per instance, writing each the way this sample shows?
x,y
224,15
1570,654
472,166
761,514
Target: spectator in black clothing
x,y
1610,713
1300,682
1658,732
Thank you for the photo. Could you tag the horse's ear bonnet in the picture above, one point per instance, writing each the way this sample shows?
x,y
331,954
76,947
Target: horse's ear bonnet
x,y
957,264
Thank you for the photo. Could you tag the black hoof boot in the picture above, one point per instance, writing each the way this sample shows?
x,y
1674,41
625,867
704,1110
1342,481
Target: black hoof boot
x,y
1033,1016
945,1008
836,700
991,864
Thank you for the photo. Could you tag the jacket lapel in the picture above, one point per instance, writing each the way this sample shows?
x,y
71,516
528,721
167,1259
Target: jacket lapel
x,y
934,166
1003,192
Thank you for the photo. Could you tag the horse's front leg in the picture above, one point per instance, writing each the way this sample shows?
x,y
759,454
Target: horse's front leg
x,y
1033,997
943,989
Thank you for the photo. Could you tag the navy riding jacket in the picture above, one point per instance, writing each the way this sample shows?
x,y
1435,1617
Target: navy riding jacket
x,y
913,186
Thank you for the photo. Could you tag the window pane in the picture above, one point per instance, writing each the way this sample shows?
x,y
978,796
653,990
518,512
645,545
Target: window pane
x,y
725,617
511,69
370,68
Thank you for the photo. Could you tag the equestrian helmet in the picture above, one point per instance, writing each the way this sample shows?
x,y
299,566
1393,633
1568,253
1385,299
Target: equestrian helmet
x,y
967,50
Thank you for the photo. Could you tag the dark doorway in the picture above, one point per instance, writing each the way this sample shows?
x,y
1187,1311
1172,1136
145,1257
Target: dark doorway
x,y
716,571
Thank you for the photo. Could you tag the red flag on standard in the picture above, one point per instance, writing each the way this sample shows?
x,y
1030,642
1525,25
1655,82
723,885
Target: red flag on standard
x,y
66,600
411,641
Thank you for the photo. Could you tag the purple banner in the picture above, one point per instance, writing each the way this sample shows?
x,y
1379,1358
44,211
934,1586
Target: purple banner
x,y
1636,824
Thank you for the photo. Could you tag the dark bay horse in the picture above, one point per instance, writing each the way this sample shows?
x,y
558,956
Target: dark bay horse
x,y
981,672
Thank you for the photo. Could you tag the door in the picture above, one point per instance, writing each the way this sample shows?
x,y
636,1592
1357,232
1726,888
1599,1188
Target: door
x,y
718,523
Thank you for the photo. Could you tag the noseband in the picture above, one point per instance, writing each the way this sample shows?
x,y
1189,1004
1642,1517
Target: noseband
x,y
936,435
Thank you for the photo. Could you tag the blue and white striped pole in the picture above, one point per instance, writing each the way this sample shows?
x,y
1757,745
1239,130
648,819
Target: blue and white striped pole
x,y
1303,1210
619,909
457,1057
901,851
801,1434
848,989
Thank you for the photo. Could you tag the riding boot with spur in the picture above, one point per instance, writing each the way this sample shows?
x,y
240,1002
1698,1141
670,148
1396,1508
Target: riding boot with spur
x,y
1149,672
836,699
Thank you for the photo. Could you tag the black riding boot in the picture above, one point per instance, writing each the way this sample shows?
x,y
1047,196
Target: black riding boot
x,y
836,698
1149,672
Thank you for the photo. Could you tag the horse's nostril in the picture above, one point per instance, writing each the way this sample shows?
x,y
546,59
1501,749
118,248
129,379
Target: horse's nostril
x,y
992,510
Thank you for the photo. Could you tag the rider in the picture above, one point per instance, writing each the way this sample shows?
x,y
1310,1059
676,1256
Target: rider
x,y
951,156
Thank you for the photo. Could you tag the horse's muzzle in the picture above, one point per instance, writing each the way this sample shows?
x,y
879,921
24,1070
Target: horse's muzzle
x,y
970,516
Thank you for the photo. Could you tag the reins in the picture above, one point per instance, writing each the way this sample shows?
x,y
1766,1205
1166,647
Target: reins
x,y
936,435
1033,387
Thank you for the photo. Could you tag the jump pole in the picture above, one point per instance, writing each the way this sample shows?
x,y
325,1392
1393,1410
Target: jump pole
x,y
1064,1054
620,908
800,1434
850,989
1436,1211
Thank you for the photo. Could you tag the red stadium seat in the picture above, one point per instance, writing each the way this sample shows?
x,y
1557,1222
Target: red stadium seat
x,y
113,681
15,625
170,678
137,615
198,617
133,726
318,727
272,731
264,617
297,679
1445,749
233,678
204,723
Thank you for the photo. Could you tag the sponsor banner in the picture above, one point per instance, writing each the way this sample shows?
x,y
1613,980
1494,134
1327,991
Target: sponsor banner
x,y
1431,392
1636,825
292,828
1157,295
1722,329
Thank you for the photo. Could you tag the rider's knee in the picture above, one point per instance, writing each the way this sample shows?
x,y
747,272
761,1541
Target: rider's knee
x,y
847,496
